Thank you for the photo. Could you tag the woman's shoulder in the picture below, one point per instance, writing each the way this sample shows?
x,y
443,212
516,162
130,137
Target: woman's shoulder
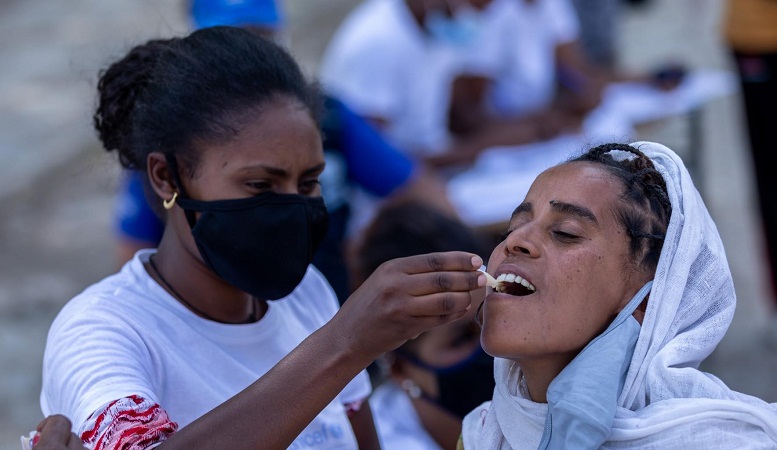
x,y
115,297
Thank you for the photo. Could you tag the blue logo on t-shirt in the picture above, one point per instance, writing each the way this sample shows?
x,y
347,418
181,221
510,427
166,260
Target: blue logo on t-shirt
x,y
326,434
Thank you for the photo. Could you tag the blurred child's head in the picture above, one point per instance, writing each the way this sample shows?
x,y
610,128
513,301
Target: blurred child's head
x,y
446,365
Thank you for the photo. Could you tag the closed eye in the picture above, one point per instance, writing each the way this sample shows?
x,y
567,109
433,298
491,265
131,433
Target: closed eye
x,y
564,236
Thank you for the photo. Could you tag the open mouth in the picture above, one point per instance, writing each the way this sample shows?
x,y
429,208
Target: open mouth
x,y
511,284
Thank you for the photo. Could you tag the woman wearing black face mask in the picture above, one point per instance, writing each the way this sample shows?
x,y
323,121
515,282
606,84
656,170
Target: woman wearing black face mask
x,y
434,380
184,347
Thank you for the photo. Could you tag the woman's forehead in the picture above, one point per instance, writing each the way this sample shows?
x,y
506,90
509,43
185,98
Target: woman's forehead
x,y
282,134
576,183
577,178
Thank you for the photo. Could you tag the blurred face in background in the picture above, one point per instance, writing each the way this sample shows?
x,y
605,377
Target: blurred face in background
x,y
457,23
447,365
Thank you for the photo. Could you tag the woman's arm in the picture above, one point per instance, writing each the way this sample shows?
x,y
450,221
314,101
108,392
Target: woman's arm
x,y
272,411
402,299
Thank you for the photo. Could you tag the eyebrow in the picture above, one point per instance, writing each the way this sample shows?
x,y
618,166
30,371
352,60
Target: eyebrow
x,y
561,207
575,210
524,207
278,172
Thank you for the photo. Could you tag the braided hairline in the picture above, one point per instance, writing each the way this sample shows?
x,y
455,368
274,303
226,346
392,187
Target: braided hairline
x,y
647,187
647,209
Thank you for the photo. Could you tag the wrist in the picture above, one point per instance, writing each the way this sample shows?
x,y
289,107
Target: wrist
x,y
346,347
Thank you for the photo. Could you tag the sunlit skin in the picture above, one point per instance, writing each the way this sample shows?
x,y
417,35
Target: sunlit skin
x,y
566,240
278,148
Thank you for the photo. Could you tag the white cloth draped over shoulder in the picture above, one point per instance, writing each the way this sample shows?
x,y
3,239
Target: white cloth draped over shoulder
x,y
665,402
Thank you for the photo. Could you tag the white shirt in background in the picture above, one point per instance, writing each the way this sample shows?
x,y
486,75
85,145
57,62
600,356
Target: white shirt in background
x,y
383,65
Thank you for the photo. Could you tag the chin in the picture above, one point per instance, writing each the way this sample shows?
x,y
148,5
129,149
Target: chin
x,y
493,344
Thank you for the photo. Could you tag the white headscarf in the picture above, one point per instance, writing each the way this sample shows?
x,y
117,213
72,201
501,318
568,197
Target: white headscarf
x,y
665,402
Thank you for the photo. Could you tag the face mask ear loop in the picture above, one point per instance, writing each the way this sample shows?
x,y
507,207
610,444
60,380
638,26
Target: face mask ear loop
x,y
172,162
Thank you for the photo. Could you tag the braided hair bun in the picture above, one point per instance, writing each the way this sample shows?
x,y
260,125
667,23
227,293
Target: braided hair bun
x,y
119,88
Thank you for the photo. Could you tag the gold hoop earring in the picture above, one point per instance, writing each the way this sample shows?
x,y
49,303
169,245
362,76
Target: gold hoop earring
x,y
168,204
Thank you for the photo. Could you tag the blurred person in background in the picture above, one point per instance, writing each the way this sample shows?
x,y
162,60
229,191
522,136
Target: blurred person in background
x,y
446,79
751,32
530,63
599,26
529,54
225,336
357,157
136,224
395,61
434,380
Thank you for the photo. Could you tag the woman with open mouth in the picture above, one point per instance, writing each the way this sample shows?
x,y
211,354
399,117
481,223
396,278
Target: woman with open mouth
x,y
610,287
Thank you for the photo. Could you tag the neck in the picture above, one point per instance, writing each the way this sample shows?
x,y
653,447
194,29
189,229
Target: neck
x,y
185,277
539,374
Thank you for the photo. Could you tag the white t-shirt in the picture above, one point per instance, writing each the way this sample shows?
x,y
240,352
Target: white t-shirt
x,y
517,48
397,423
125,336
382,64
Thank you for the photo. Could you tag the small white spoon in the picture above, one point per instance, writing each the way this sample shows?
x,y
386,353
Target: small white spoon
x,y
490,281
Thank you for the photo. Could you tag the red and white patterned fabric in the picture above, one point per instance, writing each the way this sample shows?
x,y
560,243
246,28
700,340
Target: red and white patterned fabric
x,y
129,423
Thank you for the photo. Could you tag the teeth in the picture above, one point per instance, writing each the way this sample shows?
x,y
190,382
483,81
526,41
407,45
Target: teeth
x,y
505,278
499,283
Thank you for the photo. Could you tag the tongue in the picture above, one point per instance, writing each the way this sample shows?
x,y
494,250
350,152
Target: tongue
x,y
517,289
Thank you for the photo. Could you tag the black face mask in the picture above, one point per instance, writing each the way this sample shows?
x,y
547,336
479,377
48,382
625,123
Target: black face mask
x,y
261,245
465,385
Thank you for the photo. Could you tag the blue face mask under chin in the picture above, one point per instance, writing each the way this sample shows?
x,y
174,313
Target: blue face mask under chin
x,y
459,30
583,398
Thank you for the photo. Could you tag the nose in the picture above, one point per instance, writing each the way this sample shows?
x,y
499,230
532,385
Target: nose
x,y
287,188
522,240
